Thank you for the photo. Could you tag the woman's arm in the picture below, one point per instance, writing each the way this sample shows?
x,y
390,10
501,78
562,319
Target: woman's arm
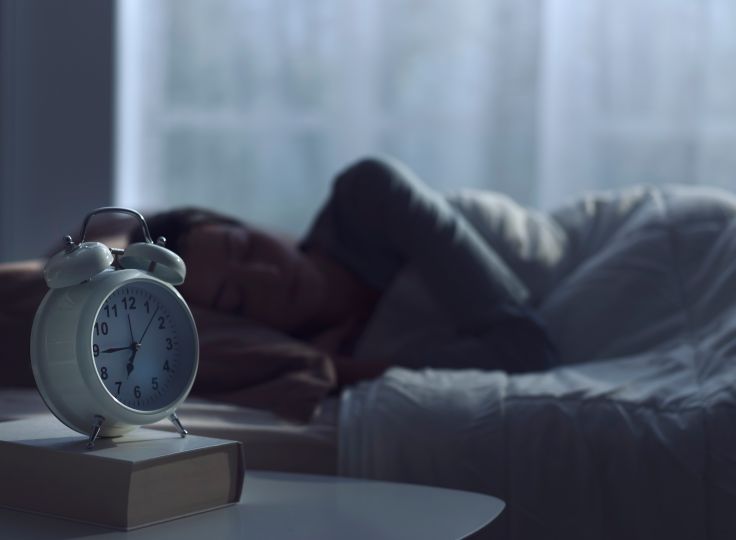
x,y
380,217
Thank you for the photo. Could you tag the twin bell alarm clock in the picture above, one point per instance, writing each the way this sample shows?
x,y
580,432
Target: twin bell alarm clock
x,y
114,345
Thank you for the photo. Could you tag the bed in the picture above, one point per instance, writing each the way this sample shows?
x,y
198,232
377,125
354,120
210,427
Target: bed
x,y
632,436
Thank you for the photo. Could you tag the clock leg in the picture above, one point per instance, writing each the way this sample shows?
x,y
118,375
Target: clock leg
x,y
177,424
95,431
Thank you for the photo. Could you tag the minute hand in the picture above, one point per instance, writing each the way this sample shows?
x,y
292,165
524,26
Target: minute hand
x,y
148,326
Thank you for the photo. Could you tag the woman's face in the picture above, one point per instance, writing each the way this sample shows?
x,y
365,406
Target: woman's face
x,y
241,270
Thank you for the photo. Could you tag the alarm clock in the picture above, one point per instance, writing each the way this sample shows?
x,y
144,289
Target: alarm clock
x,y
114,345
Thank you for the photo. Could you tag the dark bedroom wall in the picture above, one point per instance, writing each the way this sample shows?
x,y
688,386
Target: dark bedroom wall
x,y
56,119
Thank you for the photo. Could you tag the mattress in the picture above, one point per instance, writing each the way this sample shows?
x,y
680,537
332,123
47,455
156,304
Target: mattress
x,y
269,441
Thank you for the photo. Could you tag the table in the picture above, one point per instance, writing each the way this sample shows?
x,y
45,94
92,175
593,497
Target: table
x,y
279,505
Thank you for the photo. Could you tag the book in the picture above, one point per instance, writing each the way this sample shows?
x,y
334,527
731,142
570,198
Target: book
x,y
145,477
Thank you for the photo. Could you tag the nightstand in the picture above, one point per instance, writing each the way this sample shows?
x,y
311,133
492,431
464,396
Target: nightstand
x,y
279,505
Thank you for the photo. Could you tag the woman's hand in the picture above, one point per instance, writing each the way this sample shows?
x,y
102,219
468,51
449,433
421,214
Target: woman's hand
x,y
295,395
250,365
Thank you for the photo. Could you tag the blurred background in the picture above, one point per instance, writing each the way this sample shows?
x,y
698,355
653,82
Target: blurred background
x,y
252,106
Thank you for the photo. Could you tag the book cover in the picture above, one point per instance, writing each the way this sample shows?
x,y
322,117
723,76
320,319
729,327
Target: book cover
x,y
145,477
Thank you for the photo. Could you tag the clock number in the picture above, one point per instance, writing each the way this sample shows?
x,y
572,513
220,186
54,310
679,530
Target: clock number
x,y
96,350
129,303
161,321
103,372
137,392
166,365
154,383
119,384
114,310
101,328
148,307
169,344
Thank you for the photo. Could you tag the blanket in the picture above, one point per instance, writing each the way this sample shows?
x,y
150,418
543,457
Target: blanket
x,y
633,436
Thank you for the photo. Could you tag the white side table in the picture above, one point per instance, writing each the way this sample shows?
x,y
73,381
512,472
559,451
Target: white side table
x,y
294,506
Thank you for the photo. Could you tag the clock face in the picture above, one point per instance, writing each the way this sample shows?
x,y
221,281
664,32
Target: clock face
x,y
143,346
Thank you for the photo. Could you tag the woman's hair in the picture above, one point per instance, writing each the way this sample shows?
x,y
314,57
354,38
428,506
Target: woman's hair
x,y
175,224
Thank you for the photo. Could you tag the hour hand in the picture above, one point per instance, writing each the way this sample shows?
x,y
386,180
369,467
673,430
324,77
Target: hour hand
x,y
116,349
131,365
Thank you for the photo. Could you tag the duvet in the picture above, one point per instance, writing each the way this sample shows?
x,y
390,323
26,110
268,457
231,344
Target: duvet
x,y
634,436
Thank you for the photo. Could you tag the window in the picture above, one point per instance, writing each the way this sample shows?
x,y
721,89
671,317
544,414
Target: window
x,y
251,106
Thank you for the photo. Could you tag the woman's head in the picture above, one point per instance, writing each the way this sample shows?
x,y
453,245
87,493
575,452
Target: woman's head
x,y
237,268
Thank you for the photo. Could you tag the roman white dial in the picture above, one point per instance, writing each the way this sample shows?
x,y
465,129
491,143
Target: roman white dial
x,y
142,346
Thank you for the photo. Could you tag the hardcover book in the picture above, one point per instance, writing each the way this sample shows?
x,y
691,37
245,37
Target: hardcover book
x,y
145,477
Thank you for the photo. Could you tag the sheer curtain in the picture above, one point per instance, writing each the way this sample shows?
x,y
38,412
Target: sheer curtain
x,y
251,106
636,91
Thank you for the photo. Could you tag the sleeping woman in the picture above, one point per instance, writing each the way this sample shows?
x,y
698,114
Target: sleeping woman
x,y
281,318
324,290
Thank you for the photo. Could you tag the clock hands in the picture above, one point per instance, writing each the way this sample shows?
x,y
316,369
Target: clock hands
x,y
116,349
148,325
135,346
131,360
130,327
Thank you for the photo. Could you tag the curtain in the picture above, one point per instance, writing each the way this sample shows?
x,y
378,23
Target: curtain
x,y
252,106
